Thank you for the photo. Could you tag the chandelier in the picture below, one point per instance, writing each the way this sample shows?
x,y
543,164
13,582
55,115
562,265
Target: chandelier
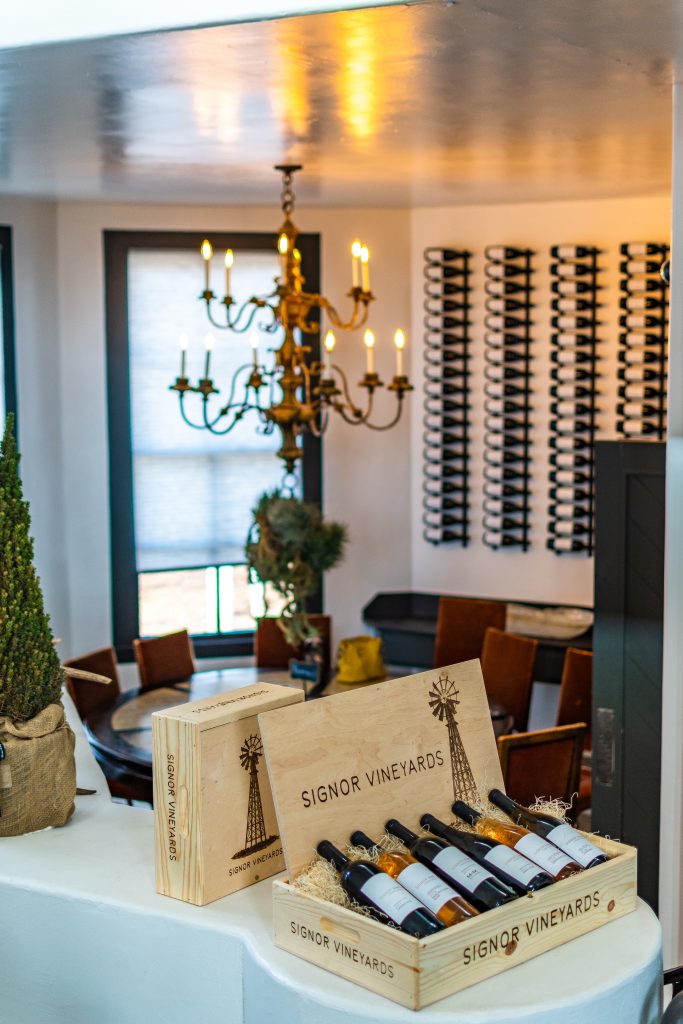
x,y
309,390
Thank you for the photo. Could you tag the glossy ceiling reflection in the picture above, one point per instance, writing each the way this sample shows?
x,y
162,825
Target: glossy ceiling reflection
x,y
437,103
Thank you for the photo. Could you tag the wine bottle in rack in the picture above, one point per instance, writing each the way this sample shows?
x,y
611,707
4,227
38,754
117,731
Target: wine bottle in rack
x,y
531,846
375,889
444,902
644,249
477,884
556,831
572,252
521,874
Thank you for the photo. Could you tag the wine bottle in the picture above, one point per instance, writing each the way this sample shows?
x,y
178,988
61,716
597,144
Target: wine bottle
x,y
444,902
556,831
531,846
479,885
520,874
374,888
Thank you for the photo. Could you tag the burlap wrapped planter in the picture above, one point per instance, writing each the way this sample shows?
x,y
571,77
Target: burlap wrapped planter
x,y
38,773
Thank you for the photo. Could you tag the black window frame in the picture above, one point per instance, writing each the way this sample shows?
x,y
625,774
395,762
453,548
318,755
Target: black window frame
x,y
8,329
124,575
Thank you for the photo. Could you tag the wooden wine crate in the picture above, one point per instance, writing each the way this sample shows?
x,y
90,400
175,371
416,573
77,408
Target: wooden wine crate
x,y
399,749
214,821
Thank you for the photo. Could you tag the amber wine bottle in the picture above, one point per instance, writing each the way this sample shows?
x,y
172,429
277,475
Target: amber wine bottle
x,y
531,846
443,901
374,888
556,831
520,874
478,885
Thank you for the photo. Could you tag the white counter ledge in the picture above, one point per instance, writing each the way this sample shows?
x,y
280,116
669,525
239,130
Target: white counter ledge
x,y
85,939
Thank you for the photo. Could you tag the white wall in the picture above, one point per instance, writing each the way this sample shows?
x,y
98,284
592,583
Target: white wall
x,y
537,574
34,246
366,475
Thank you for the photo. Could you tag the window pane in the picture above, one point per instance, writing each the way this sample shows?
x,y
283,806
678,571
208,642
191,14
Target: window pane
x,y
242,602
170,601
193,491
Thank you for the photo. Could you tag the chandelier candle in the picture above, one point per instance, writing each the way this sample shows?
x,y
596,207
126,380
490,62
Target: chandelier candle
x,y
207,253
553,829
531,846
355,264
477,884
443,901
229,260
369,341
365,268
184,344
520,874
374,888
400,343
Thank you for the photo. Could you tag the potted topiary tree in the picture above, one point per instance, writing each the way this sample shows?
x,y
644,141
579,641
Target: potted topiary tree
x,y
289,546
37,770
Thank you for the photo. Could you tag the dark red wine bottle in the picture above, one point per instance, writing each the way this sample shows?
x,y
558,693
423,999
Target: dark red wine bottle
x,y
553,829
477,884
374,888
519,873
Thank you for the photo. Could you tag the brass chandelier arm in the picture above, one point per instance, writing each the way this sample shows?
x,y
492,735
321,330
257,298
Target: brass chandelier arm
x,y
392,422
359,315
195,426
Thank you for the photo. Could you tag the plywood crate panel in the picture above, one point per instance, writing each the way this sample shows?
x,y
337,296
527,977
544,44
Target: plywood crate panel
x,y
311,749
215,825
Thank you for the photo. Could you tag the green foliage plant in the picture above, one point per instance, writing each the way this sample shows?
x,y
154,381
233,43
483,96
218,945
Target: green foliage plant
x,y
30,673
289,546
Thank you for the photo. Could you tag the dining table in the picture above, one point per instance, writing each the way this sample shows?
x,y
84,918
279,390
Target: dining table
x,y
120,734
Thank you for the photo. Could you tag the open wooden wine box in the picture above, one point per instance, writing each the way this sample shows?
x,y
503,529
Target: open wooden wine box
x,y
353,760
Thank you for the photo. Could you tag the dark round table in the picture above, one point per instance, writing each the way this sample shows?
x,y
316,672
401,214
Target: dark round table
x,y
121,735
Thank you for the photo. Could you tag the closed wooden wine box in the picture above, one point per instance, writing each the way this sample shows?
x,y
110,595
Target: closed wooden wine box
x,y
399,749
215,826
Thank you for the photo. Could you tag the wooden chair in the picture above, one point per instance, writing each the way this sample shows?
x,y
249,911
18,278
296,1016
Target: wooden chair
x,y
89,696
507,664
545,763
576,705
272,650
461,625
164,659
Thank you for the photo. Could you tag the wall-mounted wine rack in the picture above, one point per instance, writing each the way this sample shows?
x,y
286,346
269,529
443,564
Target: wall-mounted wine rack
x,y
507,402
573,391
644,322
446,469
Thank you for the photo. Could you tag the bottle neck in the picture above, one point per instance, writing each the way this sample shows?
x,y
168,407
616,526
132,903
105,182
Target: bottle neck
x,y
360,839
466,812
330,852
395,828
504,802
439,828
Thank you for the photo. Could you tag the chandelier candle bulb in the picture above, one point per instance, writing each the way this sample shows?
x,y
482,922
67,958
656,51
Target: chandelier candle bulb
x,y
208,344
400,343
369,342
329,346
365,267
253,341
355,263
207,253
184,344
229,260
282,246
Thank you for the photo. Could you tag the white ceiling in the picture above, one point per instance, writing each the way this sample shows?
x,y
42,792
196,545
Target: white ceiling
x,y
435,103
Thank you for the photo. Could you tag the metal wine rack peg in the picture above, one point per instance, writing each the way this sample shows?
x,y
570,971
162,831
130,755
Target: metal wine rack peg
x,y
573,407
644,322
446,434
507,403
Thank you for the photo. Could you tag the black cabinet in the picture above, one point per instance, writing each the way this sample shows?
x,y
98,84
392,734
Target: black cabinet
x,y
627,645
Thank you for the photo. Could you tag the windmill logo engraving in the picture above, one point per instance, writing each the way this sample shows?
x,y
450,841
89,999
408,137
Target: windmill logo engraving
x,y
256,839
443,702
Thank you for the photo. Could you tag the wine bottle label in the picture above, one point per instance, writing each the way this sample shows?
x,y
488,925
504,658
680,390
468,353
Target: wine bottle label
x,y
547,856
513,864
426,887
574,844
391,898
461,868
